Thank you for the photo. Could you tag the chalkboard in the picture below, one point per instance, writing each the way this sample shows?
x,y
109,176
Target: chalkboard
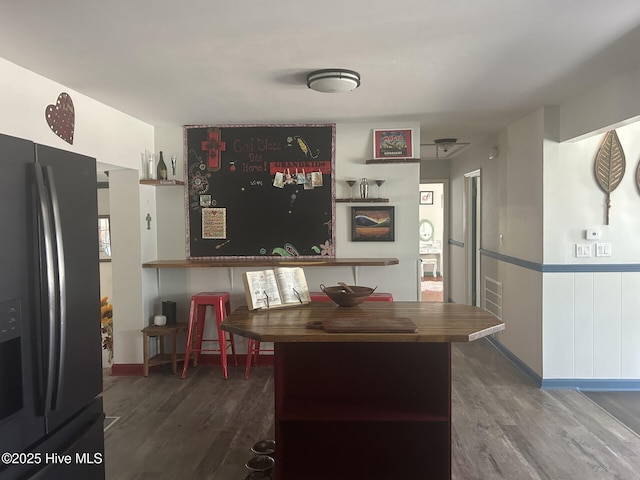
x,y
260,191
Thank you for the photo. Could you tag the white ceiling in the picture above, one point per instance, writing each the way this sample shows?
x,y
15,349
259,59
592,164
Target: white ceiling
x,y
462,68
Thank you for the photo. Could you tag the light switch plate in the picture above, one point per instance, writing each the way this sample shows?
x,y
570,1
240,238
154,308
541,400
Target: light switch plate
x,y
603,249
583,250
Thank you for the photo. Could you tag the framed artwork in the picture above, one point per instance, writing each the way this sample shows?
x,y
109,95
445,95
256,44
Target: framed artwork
x,y
397,143
104,238
372,224
426,197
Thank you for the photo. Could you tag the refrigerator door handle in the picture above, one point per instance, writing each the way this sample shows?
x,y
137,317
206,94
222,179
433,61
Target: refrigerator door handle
x,y
48,284
61,285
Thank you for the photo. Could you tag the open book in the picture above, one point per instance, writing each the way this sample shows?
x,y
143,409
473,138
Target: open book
x,y
279,287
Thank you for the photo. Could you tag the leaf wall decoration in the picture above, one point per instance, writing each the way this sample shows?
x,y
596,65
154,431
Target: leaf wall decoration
x,y
609,165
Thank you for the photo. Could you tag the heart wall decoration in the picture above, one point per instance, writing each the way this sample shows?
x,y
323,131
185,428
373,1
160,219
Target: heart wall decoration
x,y
61,117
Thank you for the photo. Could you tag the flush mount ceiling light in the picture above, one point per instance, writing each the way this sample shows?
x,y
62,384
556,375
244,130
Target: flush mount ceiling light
x,y
333,80
445,143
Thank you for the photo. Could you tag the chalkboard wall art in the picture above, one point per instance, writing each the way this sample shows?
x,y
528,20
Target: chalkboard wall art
x,y
260,191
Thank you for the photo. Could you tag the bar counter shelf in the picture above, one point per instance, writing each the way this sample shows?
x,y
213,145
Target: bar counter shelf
x,y
242,262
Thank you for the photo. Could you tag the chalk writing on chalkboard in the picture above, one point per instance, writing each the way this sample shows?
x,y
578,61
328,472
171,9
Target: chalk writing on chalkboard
x,y
260,191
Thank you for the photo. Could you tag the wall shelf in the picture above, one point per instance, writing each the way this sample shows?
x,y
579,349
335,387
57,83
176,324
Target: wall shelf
x,y
321,262
161,183
362,200
392,160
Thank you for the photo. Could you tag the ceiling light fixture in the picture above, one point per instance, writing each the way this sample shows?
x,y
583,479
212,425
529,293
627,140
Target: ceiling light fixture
x,y
333,80
445,143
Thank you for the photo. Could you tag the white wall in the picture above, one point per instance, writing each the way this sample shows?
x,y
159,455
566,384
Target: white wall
x,y
565,324
101,132
511,198
591,319
613,103
353,147
115,140
574,202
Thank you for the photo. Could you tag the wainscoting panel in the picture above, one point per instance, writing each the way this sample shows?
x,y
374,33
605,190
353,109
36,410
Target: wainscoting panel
x,y
589,317
630,327
583,330
607,325
558,325
592,325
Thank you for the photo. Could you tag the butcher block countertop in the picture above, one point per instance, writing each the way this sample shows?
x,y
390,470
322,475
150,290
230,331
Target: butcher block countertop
x,y
434,322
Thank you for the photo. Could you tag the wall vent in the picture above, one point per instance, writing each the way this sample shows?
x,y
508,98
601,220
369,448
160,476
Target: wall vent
x,y
493,297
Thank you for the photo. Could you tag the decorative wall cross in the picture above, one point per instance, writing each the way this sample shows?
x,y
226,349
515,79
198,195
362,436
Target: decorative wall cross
x,y
213,146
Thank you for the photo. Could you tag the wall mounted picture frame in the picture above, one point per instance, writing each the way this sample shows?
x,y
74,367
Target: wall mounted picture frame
x,y
372,224
104,238
426,197
393,143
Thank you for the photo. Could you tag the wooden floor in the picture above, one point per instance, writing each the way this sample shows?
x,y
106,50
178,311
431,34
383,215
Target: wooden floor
x,y
430,295
504,427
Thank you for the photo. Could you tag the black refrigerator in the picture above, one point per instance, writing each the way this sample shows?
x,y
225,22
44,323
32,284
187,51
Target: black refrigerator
x,y
51,413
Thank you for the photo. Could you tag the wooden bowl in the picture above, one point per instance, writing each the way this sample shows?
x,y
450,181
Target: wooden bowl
x,y
344,298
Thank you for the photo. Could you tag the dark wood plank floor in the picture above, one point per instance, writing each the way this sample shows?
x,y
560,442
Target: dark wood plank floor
x,y
504,427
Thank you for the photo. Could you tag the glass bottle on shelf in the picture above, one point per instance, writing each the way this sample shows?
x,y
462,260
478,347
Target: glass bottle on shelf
x,y
149,167
364,188
162,168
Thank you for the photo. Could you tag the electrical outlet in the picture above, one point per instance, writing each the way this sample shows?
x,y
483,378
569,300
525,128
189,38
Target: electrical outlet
x,y
583,250
603,249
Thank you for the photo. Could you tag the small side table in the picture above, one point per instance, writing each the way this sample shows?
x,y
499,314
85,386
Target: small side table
x,y
161,358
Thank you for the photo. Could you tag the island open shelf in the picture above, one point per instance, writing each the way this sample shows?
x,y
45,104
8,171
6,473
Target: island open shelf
x,y
363,405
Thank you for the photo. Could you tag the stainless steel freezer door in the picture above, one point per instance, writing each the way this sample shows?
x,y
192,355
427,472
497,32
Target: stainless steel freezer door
x,y
74,178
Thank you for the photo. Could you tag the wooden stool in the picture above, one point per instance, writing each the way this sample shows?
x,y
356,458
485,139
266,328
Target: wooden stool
x,y
220,301
161,358
433,262
253,347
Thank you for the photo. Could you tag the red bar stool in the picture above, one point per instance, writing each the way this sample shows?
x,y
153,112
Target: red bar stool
x,y
253,352
221,304
253,347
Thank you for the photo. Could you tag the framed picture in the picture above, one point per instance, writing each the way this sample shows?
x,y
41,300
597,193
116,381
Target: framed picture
x,y
397,143
426,197
372,224
104,238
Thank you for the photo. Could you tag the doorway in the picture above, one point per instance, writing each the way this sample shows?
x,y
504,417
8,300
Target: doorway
x,y
431,228
472,233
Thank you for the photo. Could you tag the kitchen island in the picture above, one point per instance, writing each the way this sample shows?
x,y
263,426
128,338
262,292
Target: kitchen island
x,y
358,404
